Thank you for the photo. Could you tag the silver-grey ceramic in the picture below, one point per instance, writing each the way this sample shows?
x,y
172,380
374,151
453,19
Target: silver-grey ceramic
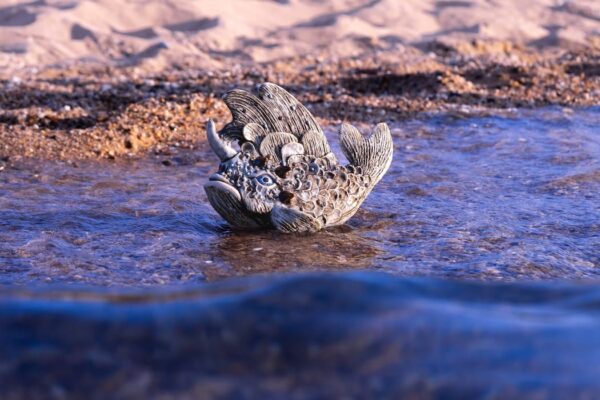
x,y
284,175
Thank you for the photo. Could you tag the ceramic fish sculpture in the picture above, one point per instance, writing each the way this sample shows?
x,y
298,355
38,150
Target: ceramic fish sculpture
x,y
284,175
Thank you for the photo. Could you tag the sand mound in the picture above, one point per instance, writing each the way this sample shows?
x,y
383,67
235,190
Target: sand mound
x,y
215,32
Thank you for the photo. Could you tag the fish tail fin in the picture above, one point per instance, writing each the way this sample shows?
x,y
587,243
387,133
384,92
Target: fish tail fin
x,y
373,154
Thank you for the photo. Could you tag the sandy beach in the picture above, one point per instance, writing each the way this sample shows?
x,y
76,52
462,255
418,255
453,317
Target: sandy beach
x,y
215,34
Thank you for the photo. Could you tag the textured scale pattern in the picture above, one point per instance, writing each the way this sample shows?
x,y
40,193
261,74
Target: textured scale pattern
x,y
284,174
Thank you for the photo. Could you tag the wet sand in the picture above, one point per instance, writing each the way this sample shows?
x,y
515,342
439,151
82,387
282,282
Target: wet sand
x,y
98,112
105,79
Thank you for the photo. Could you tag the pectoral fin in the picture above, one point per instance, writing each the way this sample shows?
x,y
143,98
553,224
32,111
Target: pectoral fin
x,y
289,220
228,203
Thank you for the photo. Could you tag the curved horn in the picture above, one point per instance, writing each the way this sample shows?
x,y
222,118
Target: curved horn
x,y
221,148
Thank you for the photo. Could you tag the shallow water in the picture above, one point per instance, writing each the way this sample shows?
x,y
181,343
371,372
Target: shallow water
x,y
103,271
496,198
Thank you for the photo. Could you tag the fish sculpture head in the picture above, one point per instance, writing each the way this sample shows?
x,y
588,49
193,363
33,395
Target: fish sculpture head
x,y
284,175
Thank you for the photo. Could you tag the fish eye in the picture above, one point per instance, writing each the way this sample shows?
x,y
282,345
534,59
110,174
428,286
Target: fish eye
x,y
266,180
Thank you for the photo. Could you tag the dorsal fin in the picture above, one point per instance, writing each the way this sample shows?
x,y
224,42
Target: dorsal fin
x,y
288,110
373,154
245,109
274,109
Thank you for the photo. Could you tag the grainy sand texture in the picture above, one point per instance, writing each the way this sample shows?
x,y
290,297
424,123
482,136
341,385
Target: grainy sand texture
x,y
209,32
110,78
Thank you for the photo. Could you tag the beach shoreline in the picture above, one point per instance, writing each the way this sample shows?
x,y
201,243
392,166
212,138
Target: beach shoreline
x,y
88,111
107,79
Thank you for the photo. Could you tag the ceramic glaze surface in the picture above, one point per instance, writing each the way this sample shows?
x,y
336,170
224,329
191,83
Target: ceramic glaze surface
x,y
285,176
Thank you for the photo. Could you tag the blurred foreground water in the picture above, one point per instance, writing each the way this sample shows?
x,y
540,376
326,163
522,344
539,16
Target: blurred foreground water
x,y
364,335
104,272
